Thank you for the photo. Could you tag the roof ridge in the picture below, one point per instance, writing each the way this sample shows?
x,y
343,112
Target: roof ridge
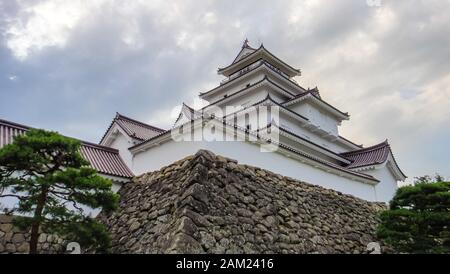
x,y
25,127
263,63
132,121
311,92
116,167
367,149
261,47
376,154
244,46
90,144
190,108
118,115
17,125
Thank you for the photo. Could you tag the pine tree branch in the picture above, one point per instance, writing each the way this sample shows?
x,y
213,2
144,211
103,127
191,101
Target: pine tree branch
x,y
60,192
15,196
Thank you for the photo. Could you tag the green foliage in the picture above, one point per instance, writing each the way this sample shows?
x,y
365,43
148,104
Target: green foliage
x,y
419,219
53,183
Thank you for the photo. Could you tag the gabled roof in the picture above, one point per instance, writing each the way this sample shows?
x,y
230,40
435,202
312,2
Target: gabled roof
x,y
376,154
233,67
269,99
283,108
264,80
372,156
314,95
188,112
262,63
105,160
133,128
246,49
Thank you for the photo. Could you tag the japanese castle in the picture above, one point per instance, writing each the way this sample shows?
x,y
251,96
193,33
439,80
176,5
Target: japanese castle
x,y
308,144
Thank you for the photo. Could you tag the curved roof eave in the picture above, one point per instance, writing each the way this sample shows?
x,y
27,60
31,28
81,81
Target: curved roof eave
x,y
372,156
363,176
261,50
338,113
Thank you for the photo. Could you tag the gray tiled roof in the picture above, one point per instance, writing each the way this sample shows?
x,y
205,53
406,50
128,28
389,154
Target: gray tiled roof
x,y
373,155
105,160
133,128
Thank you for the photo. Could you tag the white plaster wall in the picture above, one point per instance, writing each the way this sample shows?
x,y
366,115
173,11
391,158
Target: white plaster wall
x,y
163,155
237,85
296,145
247,153
317,117
253,97
253,78
294,126
246,100
388,185
122,144
284,83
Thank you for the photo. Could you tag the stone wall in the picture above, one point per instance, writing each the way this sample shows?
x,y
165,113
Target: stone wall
x,y
12,240
210,204
206,203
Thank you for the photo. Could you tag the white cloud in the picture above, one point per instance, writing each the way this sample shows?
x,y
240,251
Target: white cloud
x,y
357,48
210,18
164,118
386,65
44,24
13,77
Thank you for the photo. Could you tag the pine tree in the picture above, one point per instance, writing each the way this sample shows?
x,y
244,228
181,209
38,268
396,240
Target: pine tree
x,y
419,219
52,182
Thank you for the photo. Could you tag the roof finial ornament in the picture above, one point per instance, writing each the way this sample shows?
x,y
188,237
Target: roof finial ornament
x,y
245,45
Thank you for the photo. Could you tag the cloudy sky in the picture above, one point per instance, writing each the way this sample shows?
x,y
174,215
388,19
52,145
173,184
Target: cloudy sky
x,y
70,65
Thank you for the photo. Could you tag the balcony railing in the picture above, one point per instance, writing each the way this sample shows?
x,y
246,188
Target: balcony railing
x,y
241,72
251,67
